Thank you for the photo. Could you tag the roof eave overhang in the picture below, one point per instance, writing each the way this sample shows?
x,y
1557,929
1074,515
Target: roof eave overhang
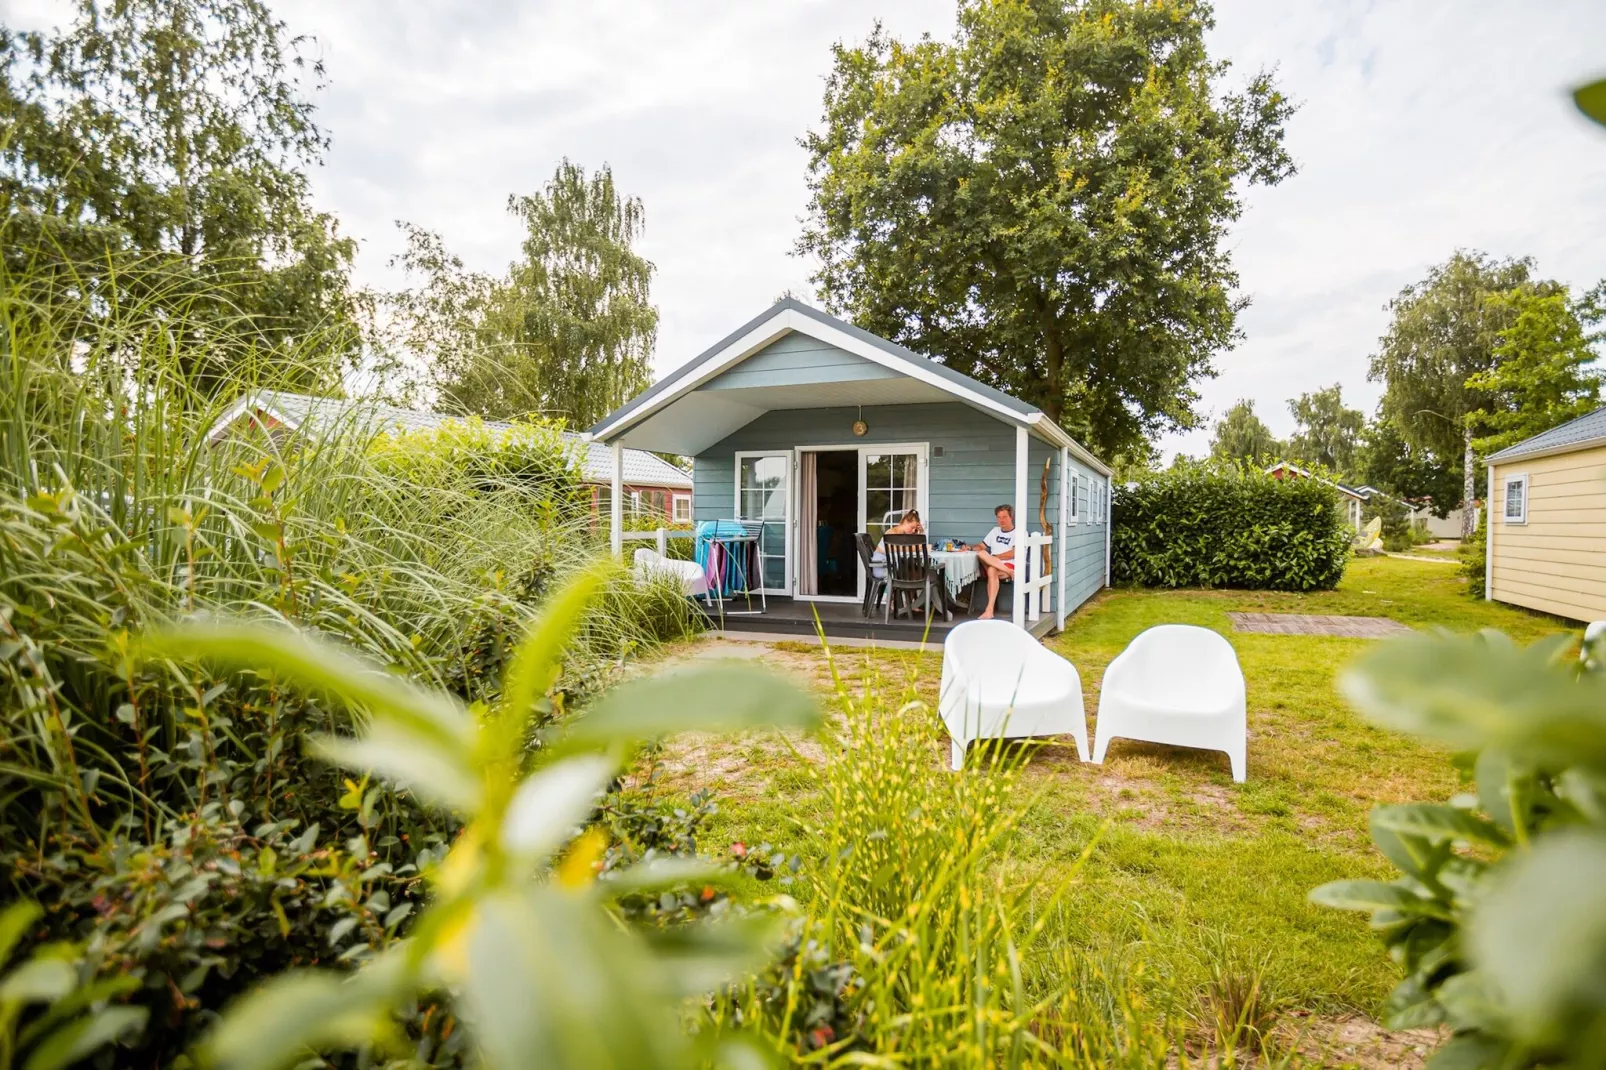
x,y
785,320
1505,456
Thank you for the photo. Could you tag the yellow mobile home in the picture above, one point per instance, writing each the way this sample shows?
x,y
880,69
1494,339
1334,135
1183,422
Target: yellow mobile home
x,y
1547,521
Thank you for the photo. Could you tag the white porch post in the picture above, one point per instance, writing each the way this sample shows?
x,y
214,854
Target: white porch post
x,y
1064,537
616,504
1018,609
1109,523
1488,535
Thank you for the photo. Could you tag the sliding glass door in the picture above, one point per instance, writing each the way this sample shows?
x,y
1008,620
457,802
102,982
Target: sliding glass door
x,y
890,478
763,497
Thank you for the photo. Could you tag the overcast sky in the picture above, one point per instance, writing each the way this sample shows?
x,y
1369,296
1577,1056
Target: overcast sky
x,y
1425,125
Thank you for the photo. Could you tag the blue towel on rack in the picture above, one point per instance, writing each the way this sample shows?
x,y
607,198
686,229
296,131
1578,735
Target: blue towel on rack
x,y
725,572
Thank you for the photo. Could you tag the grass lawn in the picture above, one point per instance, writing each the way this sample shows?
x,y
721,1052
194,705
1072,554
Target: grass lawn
x,y
1191,873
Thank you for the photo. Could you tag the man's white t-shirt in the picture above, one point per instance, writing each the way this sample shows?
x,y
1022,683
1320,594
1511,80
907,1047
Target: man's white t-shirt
x,y
999,541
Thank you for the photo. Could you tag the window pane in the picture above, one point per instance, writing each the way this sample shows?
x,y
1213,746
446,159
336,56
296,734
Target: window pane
x,y
877,470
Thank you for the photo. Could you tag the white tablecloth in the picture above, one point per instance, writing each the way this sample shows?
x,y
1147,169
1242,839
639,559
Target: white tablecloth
x,y
959,568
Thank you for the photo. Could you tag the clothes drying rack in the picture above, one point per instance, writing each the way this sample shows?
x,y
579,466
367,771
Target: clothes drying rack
x,y
729,553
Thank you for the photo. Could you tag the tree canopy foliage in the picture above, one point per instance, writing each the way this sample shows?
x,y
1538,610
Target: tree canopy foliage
x,y
567,331
1481,354
163,145
1241,437
1326,433
1543,373
1041,202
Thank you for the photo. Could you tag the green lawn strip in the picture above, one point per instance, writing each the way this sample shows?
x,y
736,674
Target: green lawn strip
x,y
1192,868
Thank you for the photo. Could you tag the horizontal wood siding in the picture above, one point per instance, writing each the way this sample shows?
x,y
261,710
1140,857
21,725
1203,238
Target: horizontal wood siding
x,y
797,359
975,473
1556,562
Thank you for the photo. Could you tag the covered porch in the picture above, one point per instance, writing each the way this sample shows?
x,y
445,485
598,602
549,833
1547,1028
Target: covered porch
x,y
810,438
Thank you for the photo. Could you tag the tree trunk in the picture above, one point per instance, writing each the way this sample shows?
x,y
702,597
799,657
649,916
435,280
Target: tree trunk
x,y
1469,485
1054,365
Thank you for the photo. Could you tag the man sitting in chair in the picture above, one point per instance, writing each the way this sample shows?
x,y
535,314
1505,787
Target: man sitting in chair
x,y
997,555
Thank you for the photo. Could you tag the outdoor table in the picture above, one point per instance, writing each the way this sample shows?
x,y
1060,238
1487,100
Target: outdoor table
x,y
959,569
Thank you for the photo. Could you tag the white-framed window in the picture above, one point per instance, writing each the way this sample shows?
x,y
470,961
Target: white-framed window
x,y
1516,500
635,503
682,508
1076,480
1082,490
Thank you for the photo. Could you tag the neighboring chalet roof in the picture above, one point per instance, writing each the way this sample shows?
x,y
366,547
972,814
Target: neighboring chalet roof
x,y
641,469
1358,493
1582,433
789,315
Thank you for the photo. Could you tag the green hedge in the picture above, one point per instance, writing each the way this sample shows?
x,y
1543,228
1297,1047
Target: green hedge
x,y
1207,526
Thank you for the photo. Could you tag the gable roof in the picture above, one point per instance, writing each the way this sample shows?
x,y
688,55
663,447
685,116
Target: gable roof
x,y
790,314
1360,493
1581,433
300,410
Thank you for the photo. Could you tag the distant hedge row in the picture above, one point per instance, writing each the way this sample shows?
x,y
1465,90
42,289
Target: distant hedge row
x,y
1201,526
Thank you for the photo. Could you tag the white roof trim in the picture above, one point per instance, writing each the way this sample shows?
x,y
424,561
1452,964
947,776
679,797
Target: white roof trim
x,y
1498,459
787,320
249,404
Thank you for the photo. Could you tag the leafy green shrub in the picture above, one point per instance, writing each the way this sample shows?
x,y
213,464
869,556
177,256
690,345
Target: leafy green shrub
x,y
166,818
1218,526
1497,917
1474,554
517,931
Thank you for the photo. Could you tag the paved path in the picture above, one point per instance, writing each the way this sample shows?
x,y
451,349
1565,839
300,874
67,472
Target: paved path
x,y
1317,624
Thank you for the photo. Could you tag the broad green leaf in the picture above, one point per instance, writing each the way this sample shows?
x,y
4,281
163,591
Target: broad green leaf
x,y
1470,1051
1591,100
14,922
707,698
551,981
82,1037
539,659
550,803
1410,1006
660,874
408,759
1436,822
38,981
1541,931
299,1013
1372,895
273,478
1481,691
319,666
701,958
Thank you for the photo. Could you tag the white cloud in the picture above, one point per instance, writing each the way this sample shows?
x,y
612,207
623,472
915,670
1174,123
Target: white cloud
x,y
1424,127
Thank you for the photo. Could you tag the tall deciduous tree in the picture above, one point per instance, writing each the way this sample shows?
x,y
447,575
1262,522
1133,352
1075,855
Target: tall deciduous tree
x,y
1543,374
1444,332
1041,202
1386,460
567,332
163,146
1326,432
1242,438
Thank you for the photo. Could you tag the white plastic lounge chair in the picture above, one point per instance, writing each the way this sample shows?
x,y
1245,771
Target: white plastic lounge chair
x,y
650,564
1595,630
1175,684
1000,683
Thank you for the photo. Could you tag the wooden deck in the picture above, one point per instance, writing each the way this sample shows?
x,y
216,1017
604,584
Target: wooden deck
x,y
790,616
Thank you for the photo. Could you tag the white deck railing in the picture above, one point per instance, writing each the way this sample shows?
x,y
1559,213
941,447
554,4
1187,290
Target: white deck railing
x,y
660,536
1032,580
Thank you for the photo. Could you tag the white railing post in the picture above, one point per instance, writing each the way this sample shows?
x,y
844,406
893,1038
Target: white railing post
x,y
1059,598
1018,604
663,542
616,505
